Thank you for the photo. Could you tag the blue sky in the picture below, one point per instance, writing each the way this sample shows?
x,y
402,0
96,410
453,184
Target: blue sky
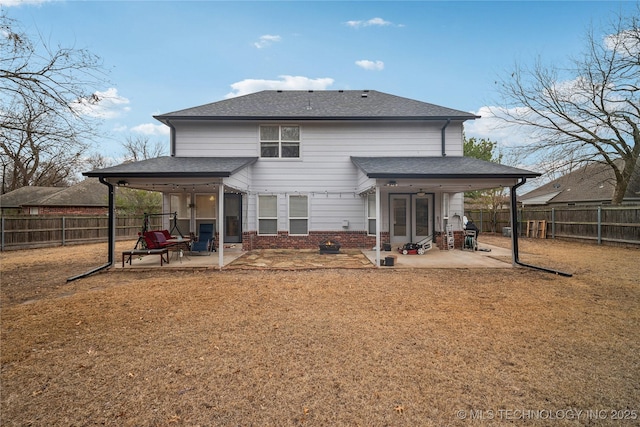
x,y
164,56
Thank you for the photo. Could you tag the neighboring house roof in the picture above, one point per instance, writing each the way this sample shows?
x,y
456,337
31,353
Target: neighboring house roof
x,y
89,192
168,167
24,195
589,184
436,167
318,105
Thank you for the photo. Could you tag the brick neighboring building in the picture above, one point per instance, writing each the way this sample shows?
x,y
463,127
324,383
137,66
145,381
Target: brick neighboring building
x,y
88,197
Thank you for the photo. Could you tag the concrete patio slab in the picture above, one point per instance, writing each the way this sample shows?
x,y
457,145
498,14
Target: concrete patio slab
x,y
301,259
488,257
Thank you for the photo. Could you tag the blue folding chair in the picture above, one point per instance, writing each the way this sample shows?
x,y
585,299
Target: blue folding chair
x,y
205,240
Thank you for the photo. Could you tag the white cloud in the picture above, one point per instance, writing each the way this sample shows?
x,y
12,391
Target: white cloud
x,y
370,65
10,3
247,86
267,40
151,129
491,126
377,22
626,42
105,105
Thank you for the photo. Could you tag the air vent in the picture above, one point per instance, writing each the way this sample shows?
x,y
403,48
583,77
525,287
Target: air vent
x,y
364,95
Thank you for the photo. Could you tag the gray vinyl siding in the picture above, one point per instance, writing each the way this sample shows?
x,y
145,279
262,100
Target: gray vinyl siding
x,y
240,180
216,139
324,172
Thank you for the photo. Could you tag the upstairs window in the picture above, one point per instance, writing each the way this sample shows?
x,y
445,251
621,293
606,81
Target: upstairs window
x,y
280,141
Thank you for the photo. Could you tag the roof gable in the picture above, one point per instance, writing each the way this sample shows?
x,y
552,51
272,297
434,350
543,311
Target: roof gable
x,y
89,192
319,105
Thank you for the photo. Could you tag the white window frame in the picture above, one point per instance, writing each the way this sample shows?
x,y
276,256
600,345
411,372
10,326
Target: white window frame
x,y
279,141
371,198
259,218
298,218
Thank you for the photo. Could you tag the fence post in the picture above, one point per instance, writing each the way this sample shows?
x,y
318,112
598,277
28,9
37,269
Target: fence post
x,y
553,223
63,231
599,225
2,232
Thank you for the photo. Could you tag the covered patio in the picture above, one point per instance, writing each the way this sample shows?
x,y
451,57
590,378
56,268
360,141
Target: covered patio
x,y
400,177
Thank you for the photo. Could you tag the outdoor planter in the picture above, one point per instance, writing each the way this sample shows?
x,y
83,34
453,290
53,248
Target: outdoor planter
x,y
329,247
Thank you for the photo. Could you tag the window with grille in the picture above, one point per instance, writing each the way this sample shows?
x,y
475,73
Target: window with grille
x,y
279,141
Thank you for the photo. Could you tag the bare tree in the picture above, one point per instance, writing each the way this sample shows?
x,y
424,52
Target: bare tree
x,y
589,112
129,200
44,95
141,148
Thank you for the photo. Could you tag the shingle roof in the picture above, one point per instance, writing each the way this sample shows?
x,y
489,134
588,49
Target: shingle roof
x,y
592,183
319,105
89,192
166,167
25,195
436,167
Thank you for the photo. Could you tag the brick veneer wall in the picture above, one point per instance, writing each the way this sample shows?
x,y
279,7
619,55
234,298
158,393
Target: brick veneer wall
x,y
458,240
347,239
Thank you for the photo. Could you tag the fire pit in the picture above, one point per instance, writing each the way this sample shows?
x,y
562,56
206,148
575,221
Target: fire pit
x,y
329,247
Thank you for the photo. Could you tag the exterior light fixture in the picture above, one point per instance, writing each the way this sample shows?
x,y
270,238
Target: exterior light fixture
x,y
391,183
123,183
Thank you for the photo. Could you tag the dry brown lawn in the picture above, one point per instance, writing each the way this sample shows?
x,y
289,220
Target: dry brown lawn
x,y
375,347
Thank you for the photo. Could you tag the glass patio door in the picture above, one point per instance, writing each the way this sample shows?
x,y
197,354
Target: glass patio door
x,y
411,218
422,223
232,218
400,219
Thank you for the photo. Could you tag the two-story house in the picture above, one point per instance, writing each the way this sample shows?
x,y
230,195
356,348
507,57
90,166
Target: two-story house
x,y
289,169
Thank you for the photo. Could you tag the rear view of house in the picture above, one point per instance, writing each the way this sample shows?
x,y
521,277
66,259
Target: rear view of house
x,y
289,169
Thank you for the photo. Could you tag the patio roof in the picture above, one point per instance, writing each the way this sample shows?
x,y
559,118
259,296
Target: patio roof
x,y
176,167
200,174
437,167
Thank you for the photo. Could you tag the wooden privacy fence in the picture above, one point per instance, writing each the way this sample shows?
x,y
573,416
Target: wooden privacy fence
x,y
602,224
20,232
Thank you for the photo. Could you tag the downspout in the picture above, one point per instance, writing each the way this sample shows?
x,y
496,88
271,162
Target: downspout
x,y
514,235
112,234
444,151
172,139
